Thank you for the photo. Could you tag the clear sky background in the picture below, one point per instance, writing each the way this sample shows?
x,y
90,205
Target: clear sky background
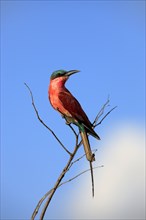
x,y
105,40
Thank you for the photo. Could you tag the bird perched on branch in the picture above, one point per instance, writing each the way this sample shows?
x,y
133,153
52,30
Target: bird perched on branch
x,y
66,104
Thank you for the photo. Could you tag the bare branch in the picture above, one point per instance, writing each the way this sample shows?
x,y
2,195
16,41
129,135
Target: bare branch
x,y
36,111
39,204
51,192
101,112
105,116
61,184
59,181
85,171
70,162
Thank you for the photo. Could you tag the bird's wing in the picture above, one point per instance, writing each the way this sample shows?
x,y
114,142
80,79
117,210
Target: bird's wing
x,y
71,104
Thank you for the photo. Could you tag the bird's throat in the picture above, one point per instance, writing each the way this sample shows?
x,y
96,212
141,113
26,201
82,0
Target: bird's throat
x,y
58,83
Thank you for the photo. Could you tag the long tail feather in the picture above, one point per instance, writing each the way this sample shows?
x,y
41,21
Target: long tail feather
x,y
92,178
89,155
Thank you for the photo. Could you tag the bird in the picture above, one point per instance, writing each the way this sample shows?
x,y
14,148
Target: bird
x,y
68,106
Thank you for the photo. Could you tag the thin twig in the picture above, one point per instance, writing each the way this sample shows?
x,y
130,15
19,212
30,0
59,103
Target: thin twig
x,y
39,204
76,161
85,171
80,158
36,111
105,116
100,112
73,130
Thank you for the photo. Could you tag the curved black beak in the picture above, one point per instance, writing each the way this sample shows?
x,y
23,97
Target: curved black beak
x,y
70,72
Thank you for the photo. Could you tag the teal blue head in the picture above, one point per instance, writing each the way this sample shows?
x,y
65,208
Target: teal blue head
x,y
63,73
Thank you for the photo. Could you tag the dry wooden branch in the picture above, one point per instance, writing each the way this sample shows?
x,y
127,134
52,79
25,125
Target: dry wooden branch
x,y
105,116
70,162
100,113
59,181
61,184
73,162
36,111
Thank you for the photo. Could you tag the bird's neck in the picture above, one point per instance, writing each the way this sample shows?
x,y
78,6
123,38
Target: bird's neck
x,y
58,83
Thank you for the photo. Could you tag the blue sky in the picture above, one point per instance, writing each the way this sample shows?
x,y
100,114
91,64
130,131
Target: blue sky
x,y
105,40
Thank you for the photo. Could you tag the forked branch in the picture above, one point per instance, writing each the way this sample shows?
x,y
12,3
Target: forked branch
x,y
49,195
61,184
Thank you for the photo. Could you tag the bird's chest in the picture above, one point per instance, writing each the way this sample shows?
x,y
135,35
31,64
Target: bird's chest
x,y
56,102
59,101
54,98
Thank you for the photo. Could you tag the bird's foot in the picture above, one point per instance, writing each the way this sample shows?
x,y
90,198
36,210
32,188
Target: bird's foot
x,y
68,123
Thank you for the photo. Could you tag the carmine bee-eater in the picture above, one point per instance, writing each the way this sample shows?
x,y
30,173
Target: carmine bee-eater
x,y
66,104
